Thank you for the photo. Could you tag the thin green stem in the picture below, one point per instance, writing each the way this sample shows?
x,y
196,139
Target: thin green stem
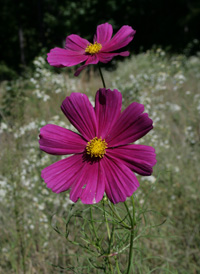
x,y
112,207
109,249
128,211
109,238
117,266
130,252
111,267
106,220
112,239
133,204
102,79
93,226
132,220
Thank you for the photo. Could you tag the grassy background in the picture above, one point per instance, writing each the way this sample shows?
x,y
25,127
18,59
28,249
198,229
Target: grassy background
x,y
169,87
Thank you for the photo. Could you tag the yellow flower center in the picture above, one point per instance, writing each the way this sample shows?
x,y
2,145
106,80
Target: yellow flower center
x,y
96,147
93,48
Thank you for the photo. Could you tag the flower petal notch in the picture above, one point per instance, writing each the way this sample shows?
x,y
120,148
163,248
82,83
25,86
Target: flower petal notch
x,y
78,50
104,157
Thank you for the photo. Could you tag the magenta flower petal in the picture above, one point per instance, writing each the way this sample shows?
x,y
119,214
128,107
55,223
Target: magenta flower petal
x,y
138,158
85,180
121,39
80,113
104,160
78,50
61,175
121,182
107,108
92,59
91,185
60,141
131,126
105,57
58,57
76,43
103,34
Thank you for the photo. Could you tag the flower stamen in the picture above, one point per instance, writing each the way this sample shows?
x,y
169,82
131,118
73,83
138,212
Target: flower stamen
x,y
93,48
96,147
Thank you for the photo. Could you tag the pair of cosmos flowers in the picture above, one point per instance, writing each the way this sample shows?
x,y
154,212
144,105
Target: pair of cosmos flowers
x,y
104,157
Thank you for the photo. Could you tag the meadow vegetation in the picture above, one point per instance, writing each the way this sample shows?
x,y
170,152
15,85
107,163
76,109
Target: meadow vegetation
x,y
33,219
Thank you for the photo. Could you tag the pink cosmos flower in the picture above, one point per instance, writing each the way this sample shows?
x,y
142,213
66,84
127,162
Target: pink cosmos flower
x,y
78,50
104,158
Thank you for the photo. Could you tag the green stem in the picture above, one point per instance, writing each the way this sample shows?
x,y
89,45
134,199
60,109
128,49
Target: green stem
x,y
112,207
93,227
109,238
129,214
133,204
111,267
130,252
117,266
102,79
133,222
106,220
